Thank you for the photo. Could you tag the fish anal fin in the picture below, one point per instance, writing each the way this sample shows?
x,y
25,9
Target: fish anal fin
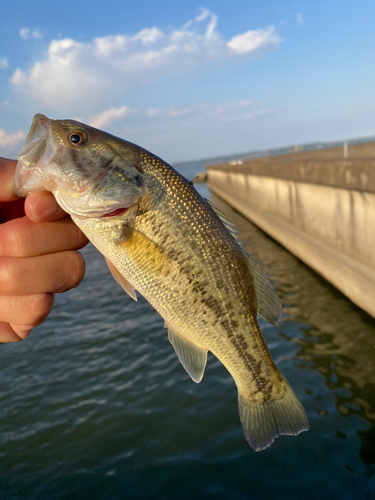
x,y
129,289
263,423
192,357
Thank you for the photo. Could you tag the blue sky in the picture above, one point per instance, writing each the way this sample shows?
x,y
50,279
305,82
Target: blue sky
x,y
191,80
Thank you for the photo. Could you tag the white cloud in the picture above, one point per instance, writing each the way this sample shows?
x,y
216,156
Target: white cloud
x,y
106,46
149,35
198,130
7,140
200,109
300,21
109,116
261,113
206,14
179,112
176,132
18,77
79,78
185,115
27,33
143,116
62,83
255,41
241,104
153,111
203,15
3,62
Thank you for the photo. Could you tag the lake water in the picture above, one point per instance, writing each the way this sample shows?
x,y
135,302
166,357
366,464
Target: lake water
x,y
94,404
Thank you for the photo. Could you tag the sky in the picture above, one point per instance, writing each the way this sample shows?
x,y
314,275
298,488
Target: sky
x,y
191,80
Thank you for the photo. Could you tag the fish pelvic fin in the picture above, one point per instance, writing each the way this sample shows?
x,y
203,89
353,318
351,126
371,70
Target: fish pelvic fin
x,y
129,289
263,423
192,357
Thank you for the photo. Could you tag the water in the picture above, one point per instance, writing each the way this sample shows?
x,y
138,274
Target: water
x,y
96,405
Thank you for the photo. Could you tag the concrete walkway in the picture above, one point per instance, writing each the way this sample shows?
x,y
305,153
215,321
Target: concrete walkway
x,y
319,206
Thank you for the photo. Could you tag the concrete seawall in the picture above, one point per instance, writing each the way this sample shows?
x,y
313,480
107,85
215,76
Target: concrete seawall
x,y
319,206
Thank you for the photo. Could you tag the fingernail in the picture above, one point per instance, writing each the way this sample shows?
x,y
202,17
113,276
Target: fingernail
x,y
43,208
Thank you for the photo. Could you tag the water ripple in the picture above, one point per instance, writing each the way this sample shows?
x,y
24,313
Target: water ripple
x,y
96,405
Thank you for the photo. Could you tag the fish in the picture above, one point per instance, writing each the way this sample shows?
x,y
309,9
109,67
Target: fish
x,y
160,238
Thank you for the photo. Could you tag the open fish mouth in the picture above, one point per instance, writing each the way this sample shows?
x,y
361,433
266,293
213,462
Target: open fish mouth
x,y
83,205
117,212
35,153
36,141
38,131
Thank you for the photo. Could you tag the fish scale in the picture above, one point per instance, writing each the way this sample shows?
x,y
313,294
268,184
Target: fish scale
x,y
176,249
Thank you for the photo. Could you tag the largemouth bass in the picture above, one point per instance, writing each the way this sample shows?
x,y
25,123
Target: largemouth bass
x,y
161,238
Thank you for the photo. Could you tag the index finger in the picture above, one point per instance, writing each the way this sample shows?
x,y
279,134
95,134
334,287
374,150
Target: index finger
x,y
7,169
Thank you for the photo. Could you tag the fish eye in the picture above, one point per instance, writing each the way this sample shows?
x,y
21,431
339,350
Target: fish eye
x,y
77,138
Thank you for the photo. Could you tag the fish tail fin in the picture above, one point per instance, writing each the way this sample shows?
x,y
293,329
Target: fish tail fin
x,y
263,423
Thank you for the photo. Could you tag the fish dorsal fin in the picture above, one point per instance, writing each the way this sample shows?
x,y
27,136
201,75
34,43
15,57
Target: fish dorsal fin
x,y
269,306
223,218
268,303
129,289
192,357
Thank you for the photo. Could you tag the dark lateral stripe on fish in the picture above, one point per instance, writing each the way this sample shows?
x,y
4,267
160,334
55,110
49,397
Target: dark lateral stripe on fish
x,y
75,158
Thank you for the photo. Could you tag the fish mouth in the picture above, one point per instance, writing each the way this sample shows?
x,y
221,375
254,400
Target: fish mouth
x,y
79,205
117,212
38,131
28,175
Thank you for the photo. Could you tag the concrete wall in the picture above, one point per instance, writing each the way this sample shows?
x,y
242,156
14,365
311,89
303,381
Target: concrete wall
x,y
327,221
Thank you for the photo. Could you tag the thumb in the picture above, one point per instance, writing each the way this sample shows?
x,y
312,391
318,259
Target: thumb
x,y
42,207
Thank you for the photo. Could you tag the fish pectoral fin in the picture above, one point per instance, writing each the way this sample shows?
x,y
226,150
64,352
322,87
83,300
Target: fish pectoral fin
x,y
192,357
268,303
129,289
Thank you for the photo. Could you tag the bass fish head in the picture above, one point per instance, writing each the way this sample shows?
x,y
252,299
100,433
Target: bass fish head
x,y
91,173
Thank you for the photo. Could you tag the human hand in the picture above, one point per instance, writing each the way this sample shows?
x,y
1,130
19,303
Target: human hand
x,y
38,257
